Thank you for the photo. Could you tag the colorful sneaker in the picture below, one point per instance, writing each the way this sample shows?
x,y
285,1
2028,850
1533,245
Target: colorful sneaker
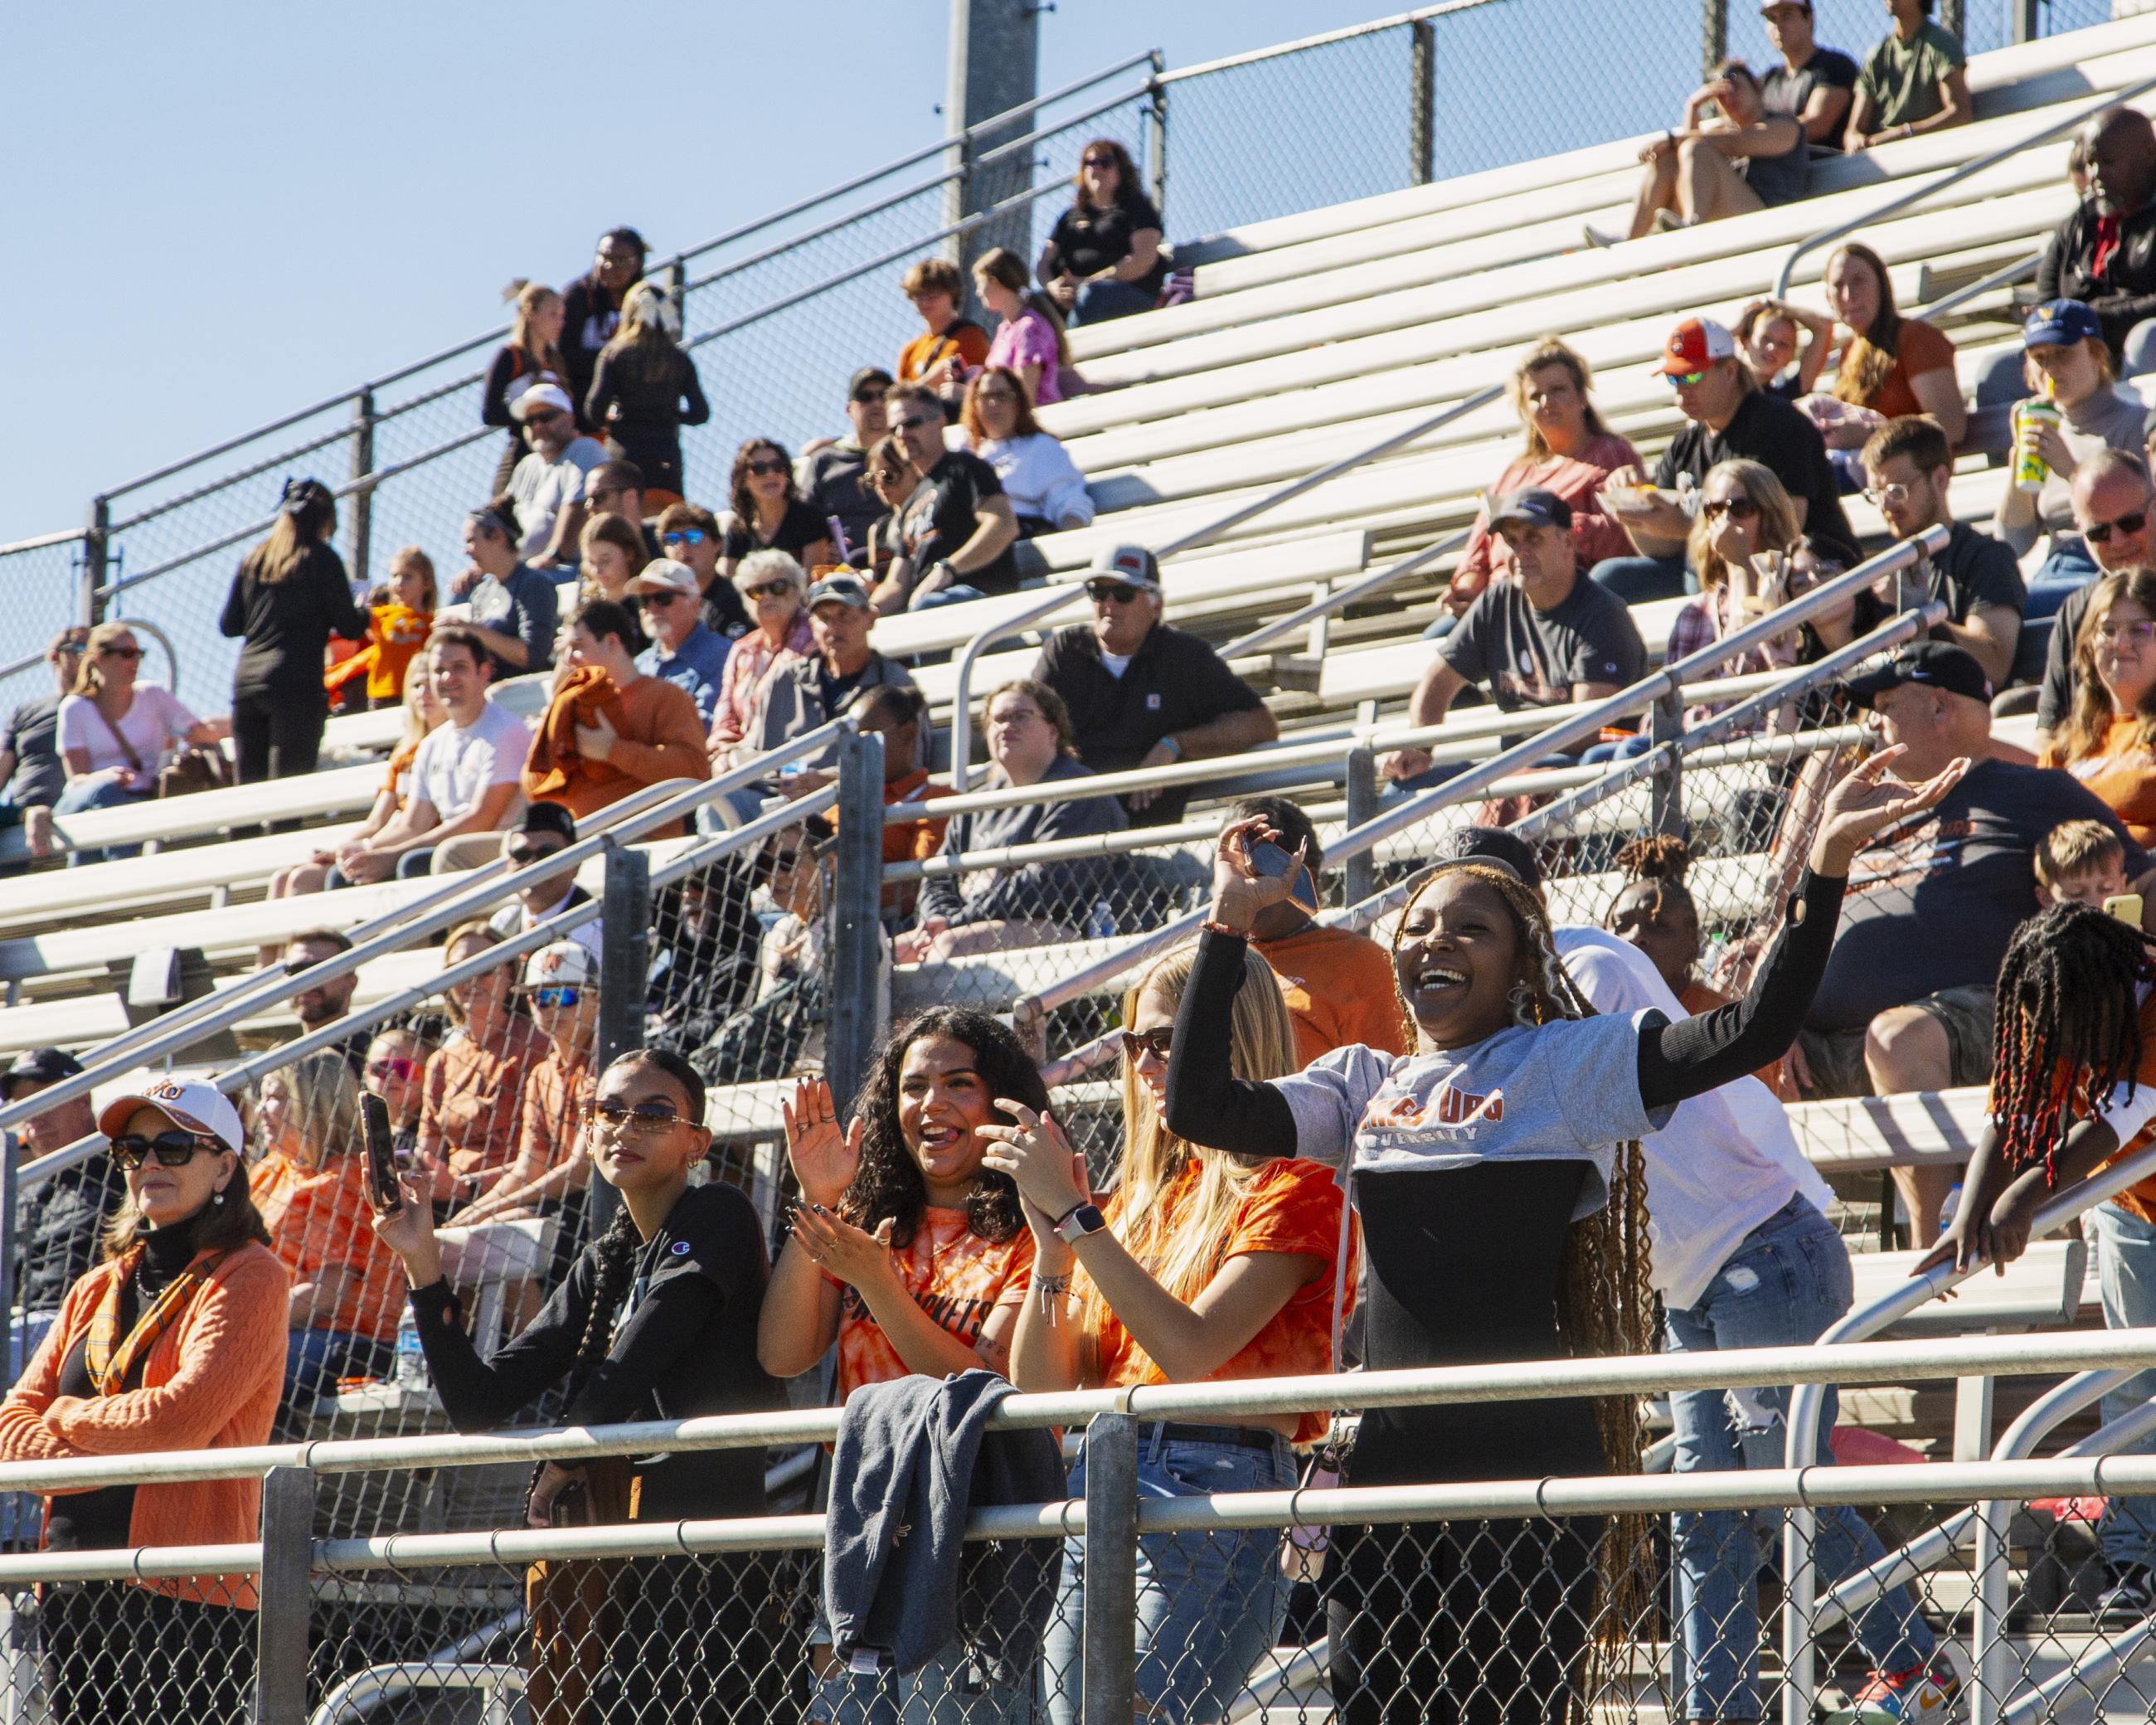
x,y
1929,1693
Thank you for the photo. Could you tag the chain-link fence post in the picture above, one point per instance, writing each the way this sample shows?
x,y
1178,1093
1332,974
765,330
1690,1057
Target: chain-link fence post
x,y
1422,102
1156,125
1713,35
856,911
362,500
1361,870
1666,725
10,1223
624,972
95,544
1111,1567
282,1625
2026,26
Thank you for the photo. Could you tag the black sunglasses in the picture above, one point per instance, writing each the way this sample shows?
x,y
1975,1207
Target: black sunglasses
x,y
1155,1041
171,1149
1099,591
1743,508
2100,532
767,590
911,424
766,467
522,856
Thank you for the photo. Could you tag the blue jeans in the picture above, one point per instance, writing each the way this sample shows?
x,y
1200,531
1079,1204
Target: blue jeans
x,y
1098,301
23,1513
314,1361
1209,1604
2067,569
942,1692
2126,1279
1629,749
1637,580
99,791
1782,1287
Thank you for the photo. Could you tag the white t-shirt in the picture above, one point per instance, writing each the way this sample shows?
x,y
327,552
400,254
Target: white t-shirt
x,y
543,489
1564,1091
458,763
154,722
1726,1162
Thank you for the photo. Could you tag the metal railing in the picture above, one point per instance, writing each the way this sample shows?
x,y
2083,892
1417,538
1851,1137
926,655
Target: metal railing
x,y
1057,598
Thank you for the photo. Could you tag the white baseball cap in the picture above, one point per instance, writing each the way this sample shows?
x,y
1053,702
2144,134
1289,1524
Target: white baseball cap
x,y
542,395
192,1104
566,964
664,575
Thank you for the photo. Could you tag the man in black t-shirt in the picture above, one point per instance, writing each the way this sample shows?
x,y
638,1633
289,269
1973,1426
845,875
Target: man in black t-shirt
x,y
1141,694
1906,1002
2113,502
1550,636
957,529
30,764
1816,85
830,475
1729,416
1908,465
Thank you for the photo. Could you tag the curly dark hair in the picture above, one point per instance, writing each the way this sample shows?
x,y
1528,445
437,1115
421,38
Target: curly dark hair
x,y
737,491
888,1182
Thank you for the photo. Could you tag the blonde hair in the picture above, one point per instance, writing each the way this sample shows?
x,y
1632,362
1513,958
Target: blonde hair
x,y
531,296
325,1099
1546,352
86,679
1777,519
2076,847
1182,1251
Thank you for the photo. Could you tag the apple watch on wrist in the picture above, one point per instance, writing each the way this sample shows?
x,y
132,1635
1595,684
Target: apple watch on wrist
x,y
1078,1221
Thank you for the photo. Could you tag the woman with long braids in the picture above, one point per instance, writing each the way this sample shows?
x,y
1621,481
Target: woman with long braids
x,y
656,1320
2073,1086
1204,1268
1498,1175
913,1257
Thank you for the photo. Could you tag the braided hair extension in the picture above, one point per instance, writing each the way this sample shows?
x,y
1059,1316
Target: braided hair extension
x,y
2066,1031
1606,1306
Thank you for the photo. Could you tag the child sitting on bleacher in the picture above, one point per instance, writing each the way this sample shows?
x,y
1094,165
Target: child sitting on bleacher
x,y
2080,862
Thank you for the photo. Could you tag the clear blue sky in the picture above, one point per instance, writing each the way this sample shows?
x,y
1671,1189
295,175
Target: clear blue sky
x,y
222,212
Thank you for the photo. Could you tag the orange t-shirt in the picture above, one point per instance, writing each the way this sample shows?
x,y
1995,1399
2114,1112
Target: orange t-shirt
x,y
398,633
1921,347
1290,1207
549,1124
2122,775
320,1218
1339,989
468,1111
926,350
953,1274
1697,997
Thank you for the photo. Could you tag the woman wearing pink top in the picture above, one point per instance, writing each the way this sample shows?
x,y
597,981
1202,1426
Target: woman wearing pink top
x,y
1569,451
1029,340
772,585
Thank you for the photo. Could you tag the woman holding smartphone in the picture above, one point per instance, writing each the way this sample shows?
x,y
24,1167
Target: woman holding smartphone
x,y
1201,1268
656,1320
1436,1163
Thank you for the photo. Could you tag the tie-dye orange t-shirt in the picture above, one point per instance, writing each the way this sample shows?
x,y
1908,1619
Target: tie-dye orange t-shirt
x,y
953,1274
1292,1208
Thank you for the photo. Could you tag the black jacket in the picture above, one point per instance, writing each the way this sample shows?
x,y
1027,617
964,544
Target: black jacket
x,y
60,1221
2126,292
287,623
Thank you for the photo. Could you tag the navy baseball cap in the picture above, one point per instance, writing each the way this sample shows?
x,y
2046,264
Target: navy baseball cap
x,y
548,818
39,1066
1535,506
1936,664
2061,323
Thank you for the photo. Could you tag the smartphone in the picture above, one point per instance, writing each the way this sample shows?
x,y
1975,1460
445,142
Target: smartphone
x,y
1274,863
2126,906
382,1190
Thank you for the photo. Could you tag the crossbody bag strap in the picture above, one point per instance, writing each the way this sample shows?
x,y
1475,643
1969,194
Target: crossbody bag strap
x,y
119,737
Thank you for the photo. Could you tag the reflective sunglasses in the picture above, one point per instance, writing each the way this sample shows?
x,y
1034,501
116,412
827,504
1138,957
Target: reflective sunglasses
x,y
1154,1042
766,467
1107,591
2100,532
683,536
645,1118
1743,509
395,1066
171,1149
564,994
1684,380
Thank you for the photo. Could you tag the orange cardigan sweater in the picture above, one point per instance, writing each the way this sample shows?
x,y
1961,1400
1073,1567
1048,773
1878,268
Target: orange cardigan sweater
x,y
212,1381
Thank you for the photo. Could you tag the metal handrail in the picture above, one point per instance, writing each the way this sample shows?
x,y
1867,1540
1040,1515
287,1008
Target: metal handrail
x,y
1908,200
961,716
444,910
1808,1405
2000,277
1349,594
1630,1375
44,541
1376,26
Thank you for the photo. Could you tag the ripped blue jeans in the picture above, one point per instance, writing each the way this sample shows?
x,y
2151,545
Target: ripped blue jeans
x,y
1787,1282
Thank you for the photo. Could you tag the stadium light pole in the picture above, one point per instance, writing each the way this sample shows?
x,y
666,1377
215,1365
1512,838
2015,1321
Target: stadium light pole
x,y
994,70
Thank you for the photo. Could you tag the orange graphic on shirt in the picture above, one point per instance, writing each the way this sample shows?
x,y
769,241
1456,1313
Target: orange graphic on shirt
x,y
953,1274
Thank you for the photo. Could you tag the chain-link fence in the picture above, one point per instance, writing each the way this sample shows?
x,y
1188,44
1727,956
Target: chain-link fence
x,y
43,579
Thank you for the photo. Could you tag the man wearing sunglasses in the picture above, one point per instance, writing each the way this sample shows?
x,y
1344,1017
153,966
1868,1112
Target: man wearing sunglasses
x,y
831,474
1730,416
616,488
2114,506
684,651
30,763
1143,693
956,529
61,1217
1907,467
802,694
541,831
548,484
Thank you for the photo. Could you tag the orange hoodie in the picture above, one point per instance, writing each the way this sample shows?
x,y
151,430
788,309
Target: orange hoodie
x,y
211,1382
657,735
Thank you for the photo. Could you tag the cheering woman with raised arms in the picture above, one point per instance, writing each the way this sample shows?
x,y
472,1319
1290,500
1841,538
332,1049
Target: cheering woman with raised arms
x,y
1497,1173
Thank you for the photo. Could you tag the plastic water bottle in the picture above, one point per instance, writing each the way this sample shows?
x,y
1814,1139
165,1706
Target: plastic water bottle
x,y
411,1368
1101,926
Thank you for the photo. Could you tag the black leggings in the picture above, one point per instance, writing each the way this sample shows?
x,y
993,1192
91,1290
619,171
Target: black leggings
x,y
278,736
1464,1622
116,1654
